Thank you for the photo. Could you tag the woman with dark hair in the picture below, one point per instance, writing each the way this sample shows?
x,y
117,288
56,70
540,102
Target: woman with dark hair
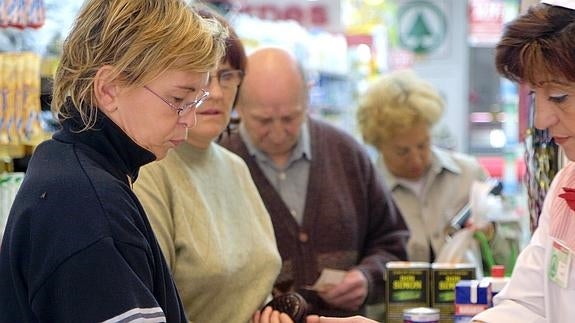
x,y
538,49
209,219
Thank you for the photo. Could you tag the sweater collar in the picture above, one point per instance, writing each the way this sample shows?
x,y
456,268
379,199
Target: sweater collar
x,y
108,140
192,154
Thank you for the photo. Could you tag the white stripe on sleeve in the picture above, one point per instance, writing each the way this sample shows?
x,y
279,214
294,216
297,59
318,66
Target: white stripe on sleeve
x,y
140,315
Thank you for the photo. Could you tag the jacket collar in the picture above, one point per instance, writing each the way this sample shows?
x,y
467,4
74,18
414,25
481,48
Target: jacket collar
x,y
106,139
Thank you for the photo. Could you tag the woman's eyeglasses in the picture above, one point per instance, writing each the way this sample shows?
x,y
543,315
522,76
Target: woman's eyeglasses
x,y
229,79
185,107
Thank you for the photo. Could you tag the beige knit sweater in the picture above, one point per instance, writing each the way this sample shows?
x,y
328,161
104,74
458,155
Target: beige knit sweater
x,y
214,230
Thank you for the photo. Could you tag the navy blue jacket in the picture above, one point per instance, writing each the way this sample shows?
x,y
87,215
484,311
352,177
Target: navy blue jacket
x,y
78,246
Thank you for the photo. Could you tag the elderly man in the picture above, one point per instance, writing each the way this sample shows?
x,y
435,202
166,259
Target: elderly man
x,y
328,206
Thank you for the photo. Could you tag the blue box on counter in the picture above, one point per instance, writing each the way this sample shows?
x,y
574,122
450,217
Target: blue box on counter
x,y
472,297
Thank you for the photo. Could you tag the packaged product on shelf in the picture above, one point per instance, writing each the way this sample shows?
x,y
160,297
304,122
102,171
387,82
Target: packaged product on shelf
x,y
16,132
3,102
20,100
11,87
31,128
35,13
22,14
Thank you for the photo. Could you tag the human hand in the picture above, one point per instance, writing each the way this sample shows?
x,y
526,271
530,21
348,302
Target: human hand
x,y
351,319
349,294
268,315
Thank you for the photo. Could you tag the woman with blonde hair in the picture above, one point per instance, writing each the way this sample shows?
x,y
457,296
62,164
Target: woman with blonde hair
x,y
78,246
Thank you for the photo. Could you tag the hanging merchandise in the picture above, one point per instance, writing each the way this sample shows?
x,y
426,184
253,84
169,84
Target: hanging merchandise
x,y
22,13
19,103
542,163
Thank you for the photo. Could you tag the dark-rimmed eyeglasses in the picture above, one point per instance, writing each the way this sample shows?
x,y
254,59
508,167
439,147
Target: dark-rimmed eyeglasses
x,y
228,79
185,107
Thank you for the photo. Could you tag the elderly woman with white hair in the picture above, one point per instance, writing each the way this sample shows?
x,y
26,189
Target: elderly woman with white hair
x,y
429,184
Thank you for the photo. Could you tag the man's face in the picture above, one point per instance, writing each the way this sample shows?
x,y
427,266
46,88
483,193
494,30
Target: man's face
x,y
272,107
273,120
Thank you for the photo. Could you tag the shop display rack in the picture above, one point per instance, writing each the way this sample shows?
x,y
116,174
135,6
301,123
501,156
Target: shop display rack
x,y
20,129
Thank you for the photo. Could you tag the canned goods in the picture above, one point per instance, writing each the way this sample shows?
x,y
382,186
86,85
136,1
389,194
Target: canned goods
x,y
407,287
421,315
444,278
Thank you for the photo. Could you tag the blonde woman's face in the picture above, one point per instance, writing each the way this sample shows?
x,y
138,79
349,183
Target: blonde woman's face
x,y
148,115
408,154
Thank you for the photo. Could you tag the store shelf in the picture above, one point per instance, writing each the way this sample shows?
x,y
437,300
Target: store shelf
x,y
9,151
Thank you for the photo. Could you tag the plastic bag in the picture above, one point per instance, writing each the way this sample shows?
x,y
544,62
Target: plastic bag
x,y
485,207
462,248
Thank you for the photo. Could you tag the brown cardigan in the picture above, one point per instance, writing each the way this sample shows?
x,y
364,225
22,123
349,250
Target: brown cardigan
x,y
350,220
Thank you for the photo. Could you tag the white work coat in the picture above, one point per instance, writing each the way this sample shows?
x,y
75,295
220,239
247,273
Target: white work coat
x,y
531,296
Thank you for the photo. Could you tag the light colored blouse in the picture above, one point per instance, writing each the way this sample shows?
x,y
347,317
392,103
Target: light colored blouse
x,y
214,230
